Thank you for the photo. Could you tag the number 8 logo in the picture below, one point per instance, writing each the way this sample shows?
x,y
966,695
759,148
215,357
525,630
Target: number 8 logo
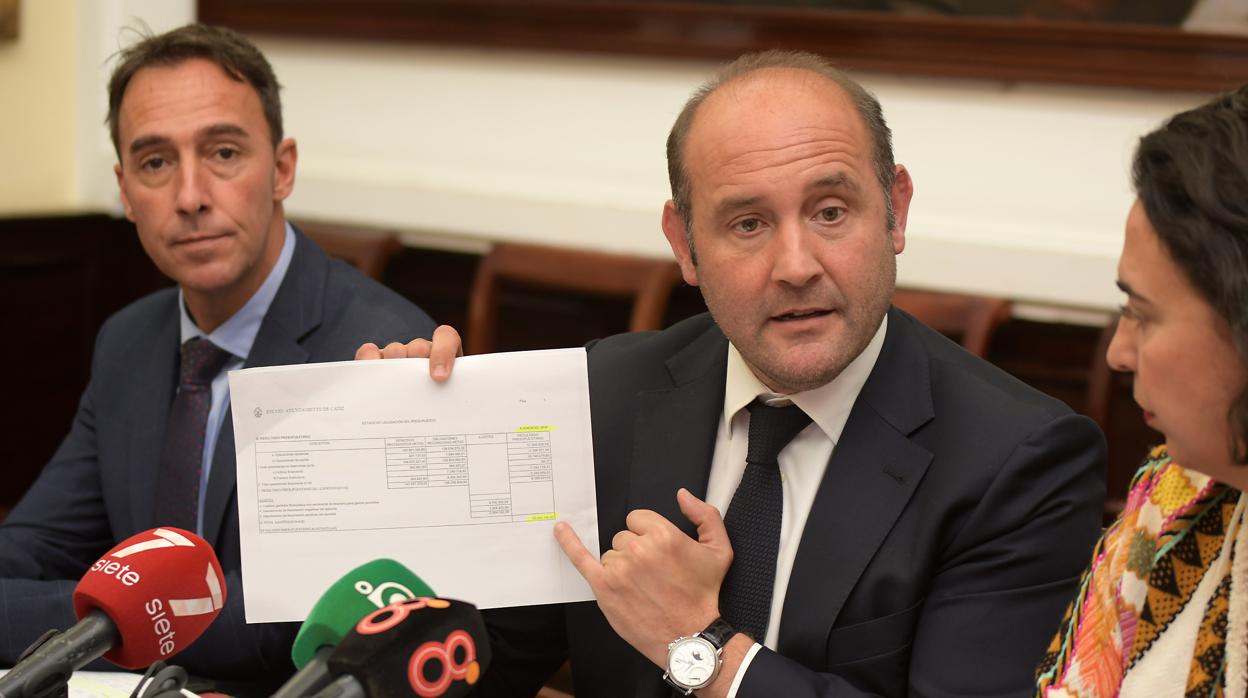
x,y
387,617
444,654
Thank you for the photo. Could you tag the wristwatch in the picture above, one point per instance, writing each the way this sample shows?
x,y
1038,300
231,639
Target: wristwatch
x,y
693,661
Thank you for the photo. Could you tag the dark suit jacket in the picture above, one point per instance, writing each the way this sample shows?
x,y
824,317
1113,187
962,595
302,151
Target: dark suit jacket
x,y
955,517
99,487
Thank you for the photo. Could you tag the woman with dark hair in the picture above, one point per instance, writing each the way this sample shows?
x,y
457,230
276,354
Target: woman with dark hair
x,y
1163,609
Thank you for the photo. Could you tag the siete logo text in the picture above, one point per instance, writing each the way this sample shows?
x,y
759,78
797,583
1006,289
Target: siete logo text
x,y
112,568
161,626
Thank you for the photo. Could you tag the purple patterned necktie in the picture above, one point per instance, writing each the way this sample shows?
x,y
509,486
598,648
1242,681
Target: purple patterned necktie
x,y
181,459
753,519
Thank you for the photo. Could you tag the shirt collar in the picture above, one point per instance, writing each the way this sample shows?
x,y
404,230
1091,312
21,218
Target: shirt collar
x,y
828,405
238,333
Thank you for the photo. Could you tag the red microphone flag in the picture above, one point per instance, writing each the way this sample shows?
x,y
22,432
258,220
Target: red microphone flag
x,y
162,588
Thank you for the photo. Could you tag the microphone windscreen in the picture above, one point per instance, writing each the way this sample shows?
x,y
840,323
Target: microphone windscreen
x,y
359,592
427,646
161,588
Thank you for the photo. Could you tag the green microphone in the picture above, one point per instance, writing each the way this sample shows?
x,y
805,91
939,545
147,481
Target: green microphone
x,y
358,593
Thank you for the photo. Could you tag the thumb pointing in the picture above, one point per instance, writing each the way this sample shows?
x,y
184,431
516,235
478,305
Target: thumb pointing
x,y
710,524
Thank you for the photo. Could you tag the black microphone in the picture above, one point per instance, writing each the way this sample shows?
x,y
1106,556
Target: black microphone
x,y
427,646
44,668
359,592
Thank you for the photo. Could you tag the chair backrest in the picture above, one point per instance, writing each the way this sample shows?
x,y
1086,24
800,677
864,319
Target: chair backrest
x,y
1099,404
649,282
366,249
1101,379
972,320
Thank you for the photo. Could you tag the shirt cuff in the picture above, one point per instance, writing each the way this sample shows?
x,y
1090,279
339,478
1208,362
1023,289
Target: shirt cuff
x,y
745,664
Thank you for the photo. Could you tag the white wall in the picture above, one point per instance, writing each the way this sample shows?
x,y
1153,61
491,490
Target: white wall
x,y
1021,189
55,149
104,27
37,126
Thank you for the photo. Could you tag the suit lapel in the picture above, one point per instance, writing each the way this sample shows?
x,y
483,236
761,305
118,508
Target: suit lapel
x,y
148,410
873,472
675,431
297,310
673,443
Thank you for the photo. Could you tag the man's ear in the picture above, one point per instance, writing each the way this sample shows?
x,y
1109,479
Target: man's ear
x,y
903,191
285,157
676,233
121,189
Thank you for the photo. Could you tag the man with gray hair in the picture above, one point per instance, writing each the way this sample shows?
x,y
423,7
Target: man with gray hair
x,y
900,517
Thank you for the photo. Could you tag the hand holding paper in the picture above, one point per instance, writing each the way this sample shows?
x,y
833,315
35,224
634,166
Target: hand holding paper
x,y
441,351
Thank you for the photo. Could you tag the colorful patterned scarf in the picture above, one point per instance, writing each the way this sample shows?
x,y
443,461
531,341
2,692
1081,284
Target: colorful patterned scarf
x,y
1177,525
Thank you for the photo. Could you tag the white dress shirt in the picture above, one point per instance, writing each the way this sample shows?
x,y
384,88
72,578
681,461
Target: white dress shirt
x,y
802,462
235,335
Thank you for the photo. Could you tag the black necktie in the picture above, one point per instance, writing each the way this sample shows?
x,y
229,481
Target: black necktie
x,y
181,459
753,519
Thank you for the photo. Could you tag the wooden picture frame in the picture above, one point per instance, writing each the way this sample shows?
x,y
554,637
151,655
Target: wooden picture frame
x,y
9,18
992,48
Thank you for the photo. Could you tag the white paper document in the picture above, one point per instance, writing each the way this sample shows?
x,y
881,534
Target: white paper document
x,y
104,684
343,463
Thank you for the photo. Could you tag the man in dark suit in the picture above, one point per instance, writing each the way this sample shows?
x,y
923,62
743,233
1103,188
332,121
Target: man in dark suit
x,y
203,170
905,520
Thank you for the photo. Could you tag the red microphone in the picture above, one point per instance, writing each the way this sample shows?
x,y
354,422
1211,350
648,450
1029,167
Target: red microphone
x,y
147,599
161,588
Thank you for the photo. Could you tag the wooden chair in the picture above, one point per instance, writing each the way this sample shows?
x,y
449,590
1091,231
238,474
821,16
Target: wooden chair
x,y
560,684
972,320
1103,383
365,249
649,282
1101,380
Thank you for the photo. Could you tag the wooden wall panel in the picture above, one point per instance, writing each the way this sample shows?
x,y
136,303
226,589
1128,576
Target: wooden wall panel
x,y
60,278
1003,49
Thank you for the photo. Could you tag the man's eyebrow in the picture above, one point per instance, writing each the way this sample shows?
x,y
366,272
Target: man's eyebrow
x,y
735,202
1131,293
213,131
840,180
222,130
145,142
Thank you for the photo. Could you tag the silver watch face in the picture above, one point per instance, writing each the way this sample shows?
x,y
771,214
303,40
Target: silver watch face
x,y
692,662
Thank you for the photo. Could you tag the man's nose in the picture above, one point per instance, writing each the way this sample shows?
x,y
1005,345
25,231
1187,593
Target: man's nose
x,y
793,258
192,188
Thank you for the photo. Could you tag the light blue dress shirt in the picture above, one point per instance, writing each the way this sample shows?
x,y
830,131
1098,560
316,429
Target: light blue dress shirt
x,y
235,335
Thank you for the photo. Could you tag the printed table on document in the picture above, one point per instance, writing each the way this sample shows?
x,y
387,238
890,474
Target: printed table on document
x,y
404,481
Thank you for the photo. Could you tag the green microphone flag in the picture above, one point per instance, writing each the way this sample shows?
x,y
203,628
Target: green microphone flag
x,y
358,593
